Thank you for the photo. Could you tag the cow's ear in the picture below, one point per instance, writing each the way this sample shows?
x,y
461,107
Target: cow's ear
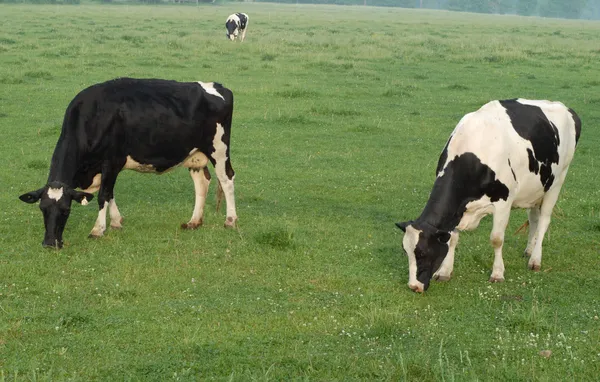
x,y
32,197
82,197
443,236
403,225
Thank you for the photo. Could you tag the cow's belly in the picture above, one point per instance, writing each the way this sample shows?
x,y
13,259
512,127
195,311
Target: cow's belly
x,y
530,191
195,159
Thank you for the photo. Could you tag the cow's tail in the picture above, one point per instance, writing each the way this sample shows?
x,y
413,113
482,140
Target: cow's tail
x,y
219,195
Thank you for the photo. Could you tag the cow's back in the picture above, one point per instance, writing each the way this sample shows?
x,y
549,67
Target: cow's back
x,y
491,135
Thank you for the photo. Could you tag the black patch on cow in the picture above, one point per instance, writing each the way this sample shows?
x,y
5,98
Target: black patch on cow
x,y
465,179
231,25
443,157
532,124
243,20
511,170
577,124
534,165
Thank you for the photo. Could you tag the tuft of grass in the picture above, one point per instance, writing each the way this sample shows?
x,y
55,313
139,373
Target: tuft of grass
x,y
297,93
38,74
37,164
7,41
268,57
134,39
278,238
457,87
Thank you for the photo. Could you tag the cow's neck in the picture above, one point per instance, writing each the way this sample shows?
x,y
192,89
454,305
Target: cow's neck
x,y
63,167
445,206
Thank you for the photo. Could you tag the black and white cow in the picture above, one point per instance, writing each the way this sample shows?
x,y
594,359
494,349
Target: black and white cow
x,y
147,125
507,154
237,23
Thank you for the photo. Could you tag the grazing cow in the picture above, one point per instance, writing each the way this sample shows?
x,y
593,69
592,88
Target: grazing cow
x,y
507,154
236,23
147,125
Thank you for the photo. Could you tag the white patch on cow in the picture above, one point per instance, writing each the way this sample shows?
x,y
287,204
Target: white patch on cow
x,y
209,88
234,18
95,186
196,160
84,202
220,157
132,164
476,210
409,242
115,215
55,193
220,153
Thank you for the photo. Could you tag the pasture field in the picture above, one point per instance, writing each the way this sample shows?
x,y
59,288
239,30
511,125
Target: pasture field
x,y
340,115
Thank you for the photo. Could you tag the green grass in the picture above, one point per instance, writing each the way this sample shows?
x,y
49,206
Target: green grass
x,y
340,115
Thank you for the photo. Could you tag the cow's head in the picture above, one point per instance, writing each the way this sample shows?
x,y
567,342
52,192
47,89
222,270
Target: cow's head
x,y
232,29
55,202
426,248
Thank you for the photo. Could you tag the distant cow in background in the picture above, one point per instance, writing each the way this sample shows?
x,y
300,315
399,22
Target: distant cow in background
x,y
507,154
237,23
146,125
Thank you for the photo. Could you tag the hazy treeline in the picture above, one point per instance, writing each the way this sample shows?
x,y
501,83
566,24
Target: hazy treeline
x,y
572,9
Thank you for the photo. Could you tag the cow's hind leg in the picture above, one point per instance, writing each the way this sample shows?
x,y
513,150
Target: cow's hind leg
x,y
115,216
533,215
225,173
550,198
226,182
501,217
201,178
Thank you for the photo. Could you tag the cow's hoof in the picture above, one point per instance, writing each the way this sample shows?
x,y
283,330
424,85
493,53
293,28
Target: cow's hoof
x,y
534,267
496,279
191,225
117,224
443,278
95,235
230,222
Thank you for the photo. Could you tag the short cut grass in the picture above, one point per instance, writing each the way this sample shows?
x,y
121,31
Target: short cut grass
x,y
340,115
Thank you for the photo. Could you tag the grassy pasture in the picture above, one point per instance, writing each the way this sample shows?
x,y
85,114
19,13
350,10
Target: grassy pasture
x,y
340,115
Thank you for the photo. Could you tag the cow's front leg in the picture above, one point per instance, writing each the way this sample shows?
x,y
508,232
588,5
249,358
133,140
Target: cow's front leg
x,y
201,178
447,267
501,217
100,225
244,34
105,195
